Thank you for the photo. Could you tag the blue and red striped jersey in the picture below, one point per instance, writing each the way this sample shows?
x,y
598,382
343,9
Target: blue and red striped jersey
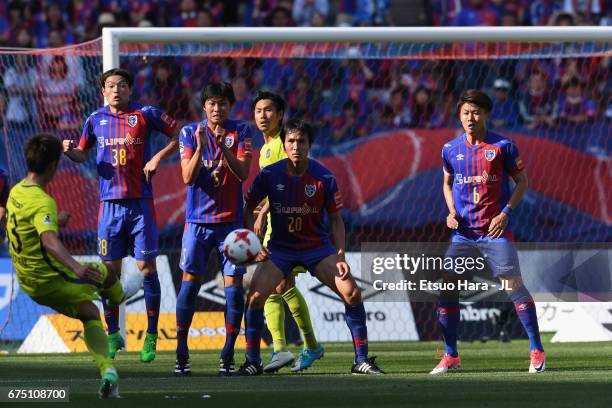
x,y
297,204
124,147
4,188
216,195
481,186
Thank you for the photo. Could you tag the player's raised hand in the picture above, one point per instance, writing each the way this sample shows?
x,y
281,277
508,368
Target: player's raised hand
x,y
150,168
201,137
220,135
88,271
68,145
451,221
498,225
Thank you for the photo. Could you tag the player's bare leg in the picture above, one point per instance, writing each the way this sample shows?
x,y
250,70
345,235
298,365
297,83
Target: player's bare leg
x,y
152,292
346,287
96,342
526,311
265,280
111,313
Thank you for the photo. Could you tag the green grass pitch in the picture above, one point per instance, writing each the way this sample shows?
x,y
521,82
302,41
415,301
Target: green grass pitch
x,y
493,375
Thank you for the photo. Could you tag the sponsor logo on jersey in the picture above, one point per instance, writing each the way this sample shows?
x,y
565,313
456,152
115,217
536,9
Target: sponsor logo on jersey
x,y
47,219
122,141
168,120
209,164
482,179
460,156
310,189
489,154
103,122
229,141
132,120
280,187
303,210
181,147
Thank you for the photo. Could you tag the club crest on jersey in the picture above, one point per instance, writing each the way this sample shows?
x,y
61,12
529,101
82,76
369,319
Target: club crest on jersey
x,y
489,154
132,120
268,153
310,189
229,141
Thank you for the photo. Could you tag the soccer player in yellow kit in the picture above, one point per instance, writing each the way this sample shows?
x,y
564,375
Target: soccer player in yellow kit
x,y
269,109
45,269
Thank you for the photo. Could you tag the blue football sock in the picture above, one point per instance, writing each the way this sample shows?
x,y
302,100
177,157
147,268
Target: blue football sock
x,y
355,317
152,292
111,315
448,319
185,307
234,309
254,321
526,311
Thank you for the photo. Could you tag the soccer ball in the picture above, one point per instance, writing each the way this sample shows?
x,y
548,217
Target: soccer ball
x,y
241,247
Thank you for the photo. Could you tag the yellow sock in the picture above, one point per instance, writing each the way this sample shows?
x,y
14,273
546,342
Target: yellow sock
x,y
299,310
114,294
95,339
275,320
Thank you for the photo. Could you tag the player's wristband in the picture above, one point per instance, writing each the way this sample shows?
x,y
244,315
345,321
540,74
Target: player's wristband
x,y
507,210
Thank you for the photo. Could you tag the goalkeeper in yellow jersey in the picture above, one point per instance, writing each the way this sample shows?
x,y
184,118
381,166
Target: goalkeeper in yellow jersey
x,y
269,110
45,269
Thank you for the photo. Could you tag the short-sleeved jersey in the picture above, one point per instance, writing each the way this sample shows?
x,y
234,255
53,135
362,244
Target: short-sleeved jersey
x,y
216,195
481,174
272,152
4,188
31,212
124,147
297,204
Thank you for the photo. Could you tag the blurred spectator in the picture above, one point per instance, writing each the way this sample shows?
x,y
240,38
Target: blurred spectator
x,y
186,15
508,19
536,105
317,19
442,12
399,103
382,120
16,17
23,38
106,20
563,19
353,76
424,112
170,91
305,101
51,20
242,107
303,10
205,18
574,107
279,17
372,13
505,112
477,13
19,81
349,125
58,102
540,12
588,10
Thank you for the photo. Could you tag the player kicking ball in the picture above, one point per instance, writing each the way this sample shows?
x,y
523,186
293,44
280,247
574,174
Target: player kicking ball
x,y
45,269
477,167
300,191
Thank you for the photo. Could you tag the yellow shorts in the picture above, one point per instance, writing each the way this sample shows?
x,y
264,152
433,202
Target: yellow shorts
x,y
69,292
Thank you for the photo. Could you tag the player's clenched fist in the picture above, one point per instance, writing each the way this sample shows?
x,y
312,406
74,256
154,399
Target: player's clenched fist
x,y
68,145
220,135
451,221
201,136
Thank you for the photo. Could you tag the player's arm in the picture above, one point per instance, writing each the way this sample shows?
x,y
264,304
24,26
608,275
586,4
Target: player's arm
x,y
500,222
447,188
76,153
239,166
190,166
151,167
338,237
58,251
258,227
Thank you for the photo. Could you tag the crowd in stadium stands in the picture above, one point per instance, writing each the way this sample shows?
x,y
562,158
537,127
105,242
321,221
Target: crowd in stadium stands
x,y
368,95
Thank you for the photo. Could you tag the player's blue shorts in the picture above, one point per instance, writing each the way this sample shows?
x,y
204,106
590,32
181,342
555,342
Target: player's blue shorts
x,y
499,253
309,259
199,240
127,227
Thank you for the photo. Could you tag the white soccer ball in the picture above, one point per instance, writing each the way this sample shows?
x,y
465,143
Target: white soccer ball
x,y
241,247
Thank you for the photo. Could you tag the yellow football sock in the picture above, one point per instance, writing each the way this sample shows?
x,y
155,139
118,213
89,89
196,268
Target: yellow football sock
x,y
299,310
95,339
114,294
275,320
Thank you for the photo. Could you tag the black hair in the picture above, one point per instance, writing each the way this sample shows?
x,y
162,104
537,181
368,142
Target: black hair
x,y
298,125
218,90
277,100
42,151
475,97
125,74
